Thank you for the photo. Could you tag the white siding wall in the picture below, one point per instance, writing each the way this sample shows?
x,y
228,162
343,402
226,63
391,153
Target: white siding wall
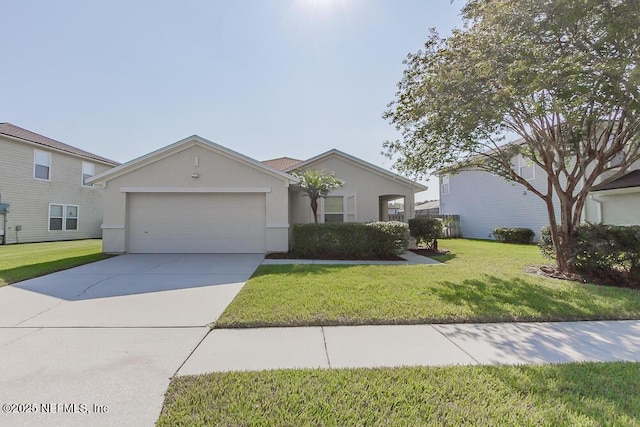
x,y
29,198
485,202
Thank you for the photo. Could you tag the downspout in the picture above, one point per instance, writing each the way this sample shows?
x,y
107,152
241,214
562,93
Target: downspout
x,y
583,215
4,222
598,207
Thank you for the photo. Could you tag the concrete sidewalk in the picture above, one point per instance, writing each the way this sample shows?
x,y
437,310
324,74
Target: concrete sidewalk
x,y
414,345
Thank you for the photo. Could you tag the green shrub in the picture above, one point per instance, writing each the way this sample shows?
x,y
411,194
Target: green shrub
x,y
350,240
601,249
392,237
546,243
426,230
514,235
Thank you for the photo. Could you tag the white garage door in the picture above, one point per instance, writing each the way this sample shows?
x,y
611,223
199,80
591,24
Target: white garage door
x,y
196,222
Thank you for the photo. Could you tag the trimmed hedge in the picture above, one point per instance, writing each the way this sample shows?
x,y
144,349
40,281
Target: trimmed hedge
x,y
351,240
426,230
514,235
601,249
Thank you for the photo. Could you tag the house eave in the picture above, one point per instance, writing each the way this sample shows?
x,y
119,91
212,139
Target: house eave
x,y
184,144
616,191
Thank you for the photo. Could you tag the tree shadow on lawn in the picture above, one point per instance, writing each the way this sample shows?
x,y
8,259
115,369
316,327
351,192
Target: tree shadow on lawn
x,y
515,299
443,258
590,389
301,269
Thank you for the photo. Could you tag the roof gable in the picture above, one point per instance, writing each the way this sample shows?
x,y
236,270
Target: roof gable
x,y
181,145
629,180
28,136
360,163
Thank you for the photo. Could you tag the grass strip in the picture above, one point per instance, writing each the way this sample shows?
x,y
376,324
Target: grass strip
x,y
28,260
582,394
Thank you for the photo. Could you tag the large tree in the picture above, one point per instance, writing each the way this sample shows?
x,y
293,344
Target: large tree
x,y
562,75
317,184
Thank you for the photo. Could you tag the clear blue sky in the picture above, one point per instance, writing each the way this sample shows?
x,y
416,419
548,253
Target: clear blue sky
x,y
267,78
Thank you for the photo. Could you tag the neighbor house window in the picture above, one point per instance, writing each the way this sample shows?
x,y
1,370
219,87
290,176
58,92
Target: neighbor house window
x,y
444,184
88,171
334,209
526,169
617,160
41,165
63,217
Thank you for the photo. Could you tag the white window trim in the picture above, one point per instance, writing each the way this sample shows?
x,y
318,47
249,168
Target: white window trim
x,y
345,206
35,153
82,183
324,209
522,163
444,177
64,217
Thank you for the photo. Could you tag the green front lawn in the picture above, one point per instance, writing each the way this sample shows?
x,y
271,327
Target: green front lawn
x,y
586,394
481,282
29,260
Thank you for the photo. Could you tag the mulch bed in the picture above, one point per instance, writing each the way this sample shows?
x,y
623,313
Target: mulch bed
x,y
428,252
420,251
293,255
617,278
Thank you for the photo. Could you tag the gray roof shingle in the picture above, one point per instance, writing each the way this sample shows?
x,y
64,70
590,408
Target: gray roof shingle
x,y
631,179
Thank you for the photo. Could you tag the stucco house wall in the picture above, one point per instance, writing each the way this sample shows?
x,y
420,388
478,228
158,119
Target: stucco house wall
x,y
364,186
620,206
621,209
173,170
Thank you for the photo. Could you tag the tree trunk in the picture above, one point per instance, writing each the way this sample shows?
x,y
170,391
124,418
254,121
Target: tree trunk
x,y
314,208
560,244
563,245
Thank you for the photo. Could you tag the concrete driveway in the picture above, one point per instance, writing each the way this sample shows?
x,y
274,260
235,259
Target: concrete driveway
x,y
97,344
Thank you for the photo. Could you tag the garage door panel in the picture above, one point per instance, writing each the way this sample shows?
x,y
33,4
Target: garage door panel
x,y
196,223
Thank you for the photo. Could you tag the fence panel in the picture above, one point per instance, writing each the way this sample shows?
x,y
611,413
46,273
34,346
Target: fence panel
x,y
451,223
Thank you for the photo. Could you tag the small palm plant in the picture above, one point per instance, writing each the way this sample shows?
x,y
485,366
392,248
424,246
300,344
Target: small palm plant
x,y
317,184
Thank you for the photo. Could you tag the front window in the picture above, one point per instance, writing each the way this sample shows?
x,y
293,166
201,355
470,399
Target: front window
x,y
63,217
55,217
88,171
526,169
71,217
444,184
617,160
334,209
42,165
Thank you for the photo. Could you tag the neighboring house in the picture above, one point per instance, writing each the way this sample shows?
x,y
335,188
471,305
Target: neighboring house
x,y
44,192
395,210
485,201
431,207
195,196
618,201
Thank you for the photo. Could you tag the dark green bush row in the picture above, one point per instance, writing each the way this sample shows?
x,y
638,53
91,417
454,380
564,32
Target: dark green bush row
x,y
350,240
426,230
514,235
601,249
